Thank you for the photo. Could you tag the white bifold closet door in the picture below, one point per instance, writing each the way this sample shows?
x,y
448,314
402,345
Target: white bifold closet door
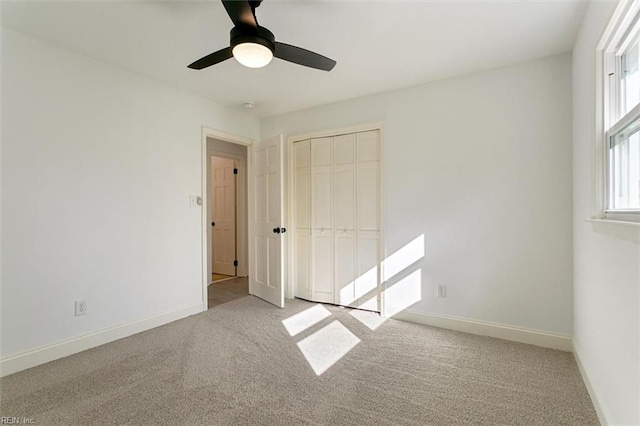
x,y
322,220
337,219
365,292
302,218
344,216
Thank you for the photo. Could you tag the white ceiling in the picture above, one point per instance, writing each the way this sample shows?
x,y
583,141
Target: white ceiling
x,y
379,45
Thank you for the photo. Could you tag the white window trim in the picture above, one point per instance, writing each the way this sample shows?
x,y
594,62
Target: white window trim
x,y
621,224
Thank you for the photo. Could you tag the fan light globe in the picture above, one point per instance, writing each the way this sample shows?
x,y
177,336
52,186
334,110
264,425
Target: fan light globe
x,y
252,55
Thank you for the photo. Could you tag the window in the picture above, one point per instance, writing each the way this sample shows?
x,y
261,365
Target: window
x,y
630,79
624,168
620,153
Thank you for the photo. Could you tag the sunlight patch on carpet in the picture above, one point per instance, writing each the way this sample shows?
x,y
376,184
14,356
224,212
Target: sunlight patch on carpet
x,y
299,322
327,346
372,320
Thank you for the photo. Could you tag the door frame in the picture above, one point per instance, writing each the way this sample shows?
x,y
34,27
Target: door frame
x,y
289,207
231,138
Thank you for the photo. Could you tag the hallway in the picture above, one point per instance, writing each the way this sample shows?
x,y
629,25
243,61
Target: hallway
x,y
226,291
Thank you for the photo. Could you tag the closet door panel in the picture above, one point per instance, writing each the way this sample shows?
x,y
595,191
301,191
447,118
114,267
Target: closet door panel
x,y
368,177
345,183
345,268
369,146
368,217
321,183
322,267
302,265
344,197
368,268
344,217
322,220
321,152
302,183
321,205
302,154
345,149
303,199
302,213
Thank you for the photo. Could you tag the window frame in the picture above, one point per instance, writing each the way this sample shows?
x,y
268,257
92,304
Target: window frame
x,y
621,34
620,126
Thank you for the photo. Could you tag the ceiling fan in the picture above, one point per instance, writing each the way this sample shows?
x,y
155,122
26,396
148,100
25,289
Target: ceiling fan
x,y
254,46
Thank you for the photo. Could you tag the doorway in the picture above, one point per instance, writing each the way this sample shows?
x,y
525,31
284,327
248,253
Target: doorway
x,y
227,221
260,215
222,193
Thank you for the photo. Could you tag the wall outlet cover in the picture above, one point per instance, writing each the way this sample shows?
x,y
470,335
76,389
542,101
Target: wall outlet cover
x,y
81,307
442,290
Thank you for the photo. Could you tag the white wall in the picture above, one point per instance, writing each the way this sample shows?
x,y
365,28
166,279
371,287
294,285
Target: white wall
x,y
607,276
97,168
481,165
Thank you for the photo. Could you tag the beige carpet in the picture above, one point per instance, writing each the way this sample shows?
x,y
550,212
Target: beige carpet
x,y
237,364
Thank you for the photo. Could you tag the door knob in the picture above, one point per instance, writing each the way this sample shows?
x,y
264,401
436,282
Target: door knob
x,y
276,230
284,230
213,224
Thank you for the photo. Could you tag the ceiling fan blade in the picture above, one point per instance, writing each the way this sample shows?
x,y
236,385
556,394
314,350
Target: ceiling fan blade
x,y
240,12
301,56
212,59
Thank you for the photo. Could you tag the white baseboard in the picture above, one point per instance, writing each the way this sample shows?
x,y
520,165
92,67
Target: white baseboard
x,y
31,358
593,392
500,331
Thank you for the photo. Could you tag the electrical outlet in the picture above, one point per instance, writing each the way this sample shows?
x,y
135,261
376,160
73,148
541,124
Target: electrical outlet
x,y
81,307
442,290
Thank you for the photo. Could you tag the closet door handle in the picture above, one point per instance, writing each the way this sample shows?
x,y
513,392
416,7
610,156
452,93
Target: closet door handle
x,y
283,230
276,230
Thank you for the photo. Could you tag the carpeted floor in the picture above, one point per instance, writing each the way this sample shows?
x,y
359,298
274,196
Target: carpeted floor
x,y
237,364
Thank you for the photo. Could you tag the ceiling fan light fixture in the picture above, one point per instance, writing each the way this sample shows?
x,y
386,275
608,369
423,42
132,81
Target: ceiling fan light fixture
x,y
252,55
255,46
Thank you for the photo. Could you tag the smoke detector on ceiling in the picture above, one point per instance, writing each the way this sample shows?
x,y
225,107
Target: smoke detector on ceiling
x,y
249,104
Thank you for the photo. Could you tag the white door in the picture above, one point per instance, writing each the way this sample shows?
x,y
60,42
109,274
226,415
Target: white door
x,y
223,215
266,221
337,219
302,215
366,287
344,219
322,220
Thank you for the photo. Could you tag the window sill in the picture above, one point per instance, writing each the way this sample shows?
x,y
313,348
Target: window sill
x,y
625,230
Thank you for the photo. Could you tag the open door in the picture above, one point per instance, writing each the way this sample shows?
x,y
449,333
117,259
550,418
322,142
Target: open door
x,y
266,232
